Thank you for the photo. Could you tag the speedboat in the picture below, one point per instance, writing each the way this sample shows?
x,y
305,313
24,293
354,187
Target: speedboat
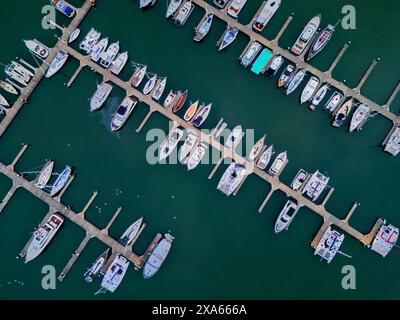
x,y
342,113
170,143
196,156
319,96
183,14
307,35
251,54
231,178
309,90
74,35
4,102
229,36
122,113
235,8
286,216
299,180
90,41
315,185
98,49
159,89
138,76
334,101
157,257
37,48
234,136
266,14
265,158
114,275
191,111
119,63
173,7
201,115
278,164
180,101
95,269
108,56
61,181
256,150
64,7
221,3
275,65
329,244
8,87
150,84
203,28
359,117
170,99
57,63
45,175
392,146
130,233
100,96
295,81
187,147
321,41
286,75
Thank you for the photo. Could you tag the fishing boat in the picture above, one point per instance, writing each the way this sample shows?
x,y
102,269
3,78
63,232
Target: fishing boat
x,y
150,84
334,101
275,65
114,275
108,56
286,75
342,113
119,63
203,28
265,158
98,49
170,99
130,233
122,113
74,35
191,111
286,216
180,101
3,101
37,48
138,76
307,35
196,156
42,236
228,37
170,143
329,244
143,4
90,41
57,63
392,146
385,239
94,270
159,89
157,257
295,81
8,87
187,147
315,185
235,7
309,90
320,41
221,3
359,117
231,178
201,115
100,96
251,54
299,180
319,96
173,7
64,7
181,16
256,150
234,136
278,164
266,14
61,181
45,175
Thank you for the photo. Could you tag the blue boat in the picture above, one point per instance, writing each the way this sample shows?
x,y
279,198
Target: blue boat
x,y
262,60
229,36
64,7
61,181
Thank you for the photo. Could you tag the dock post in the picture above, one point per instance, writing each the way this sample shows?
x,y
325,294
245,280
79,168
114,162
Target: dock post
x,y
331,190
269,195
216,168
366,75
392,97
18,157
338,58
112,220
88,204
8,196
350,213
283,29
148,115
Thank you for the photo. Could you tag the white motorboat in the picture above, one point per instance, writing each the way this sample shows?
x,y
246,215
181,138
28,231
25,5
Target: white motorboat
x,y
265,158
98,49
309,90
100,96
234,136
278,164
196,156
286,216
159,89
119,63
170,143
187,147
359,117
123,112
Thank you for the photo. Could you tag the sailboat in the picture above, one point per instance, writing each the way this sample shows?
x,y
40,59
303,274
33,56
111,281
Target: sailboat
x,y
228,37
173,7
159,89
61,181
187,147
321,41
309,89
319,96
8,87
296,80
342,113
130,233
3,101
256,150
360,115
95,269
150,84
191,111
201,115
180,101
45,175
204,27
265,158
138,76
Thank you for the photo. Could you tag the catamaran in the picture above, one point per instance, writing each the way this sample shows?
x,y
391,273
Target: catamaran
x,y
114,275
234,136
315,185
265,158
138,76
299,180
8,87
45,175
180,101
196,156
150,84
359,117
307,35
278,164
42,236
329,244
64,7
203,28
228,37
256,150
385,239
191,111
108,56
342,113
334,101
183,13
201,115
90,41
319,96
321,41
119,63
37,48
309,90
251,54
100,96
231,178
157,257
130,233
122,113
286,75
159,89
170,143
266,14
286,216
187,147
57,63
61,181
295,81
173,7
95,269
235,7
392,146
98,49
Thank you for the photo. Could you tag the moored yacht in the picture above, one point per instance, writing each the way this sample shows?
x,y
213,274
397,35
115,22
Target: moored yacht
x,y
4,102
234,136
329,244
159,89
235,7
170,143
334,101
179,101
286,216
100,96
37,48
392,146
201,115
286,75
57,63
309,90
45,175
98,49
295,81
251,54
319,96
267,12
74,35
123,112
299,180
114,275
64,7
108,56
8,87
278,164
150,84
275,65
228,37
265,158
95,269
158,256
256,150
119,63
342,113
144,4
203,28
191,111
231,178
307,35
320,41
315,185
196,156
138,76
173,7
359,117
131,232
61,181
170,99
90,41
187,147
181,16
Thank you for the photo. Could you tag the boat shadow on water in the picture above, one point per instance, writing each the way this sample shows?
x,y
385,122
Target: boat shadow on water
x,y
106,113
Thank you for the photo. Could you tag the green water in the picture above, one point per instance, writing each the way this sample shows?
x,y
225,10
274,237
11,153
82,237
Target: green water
x,y
223,247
